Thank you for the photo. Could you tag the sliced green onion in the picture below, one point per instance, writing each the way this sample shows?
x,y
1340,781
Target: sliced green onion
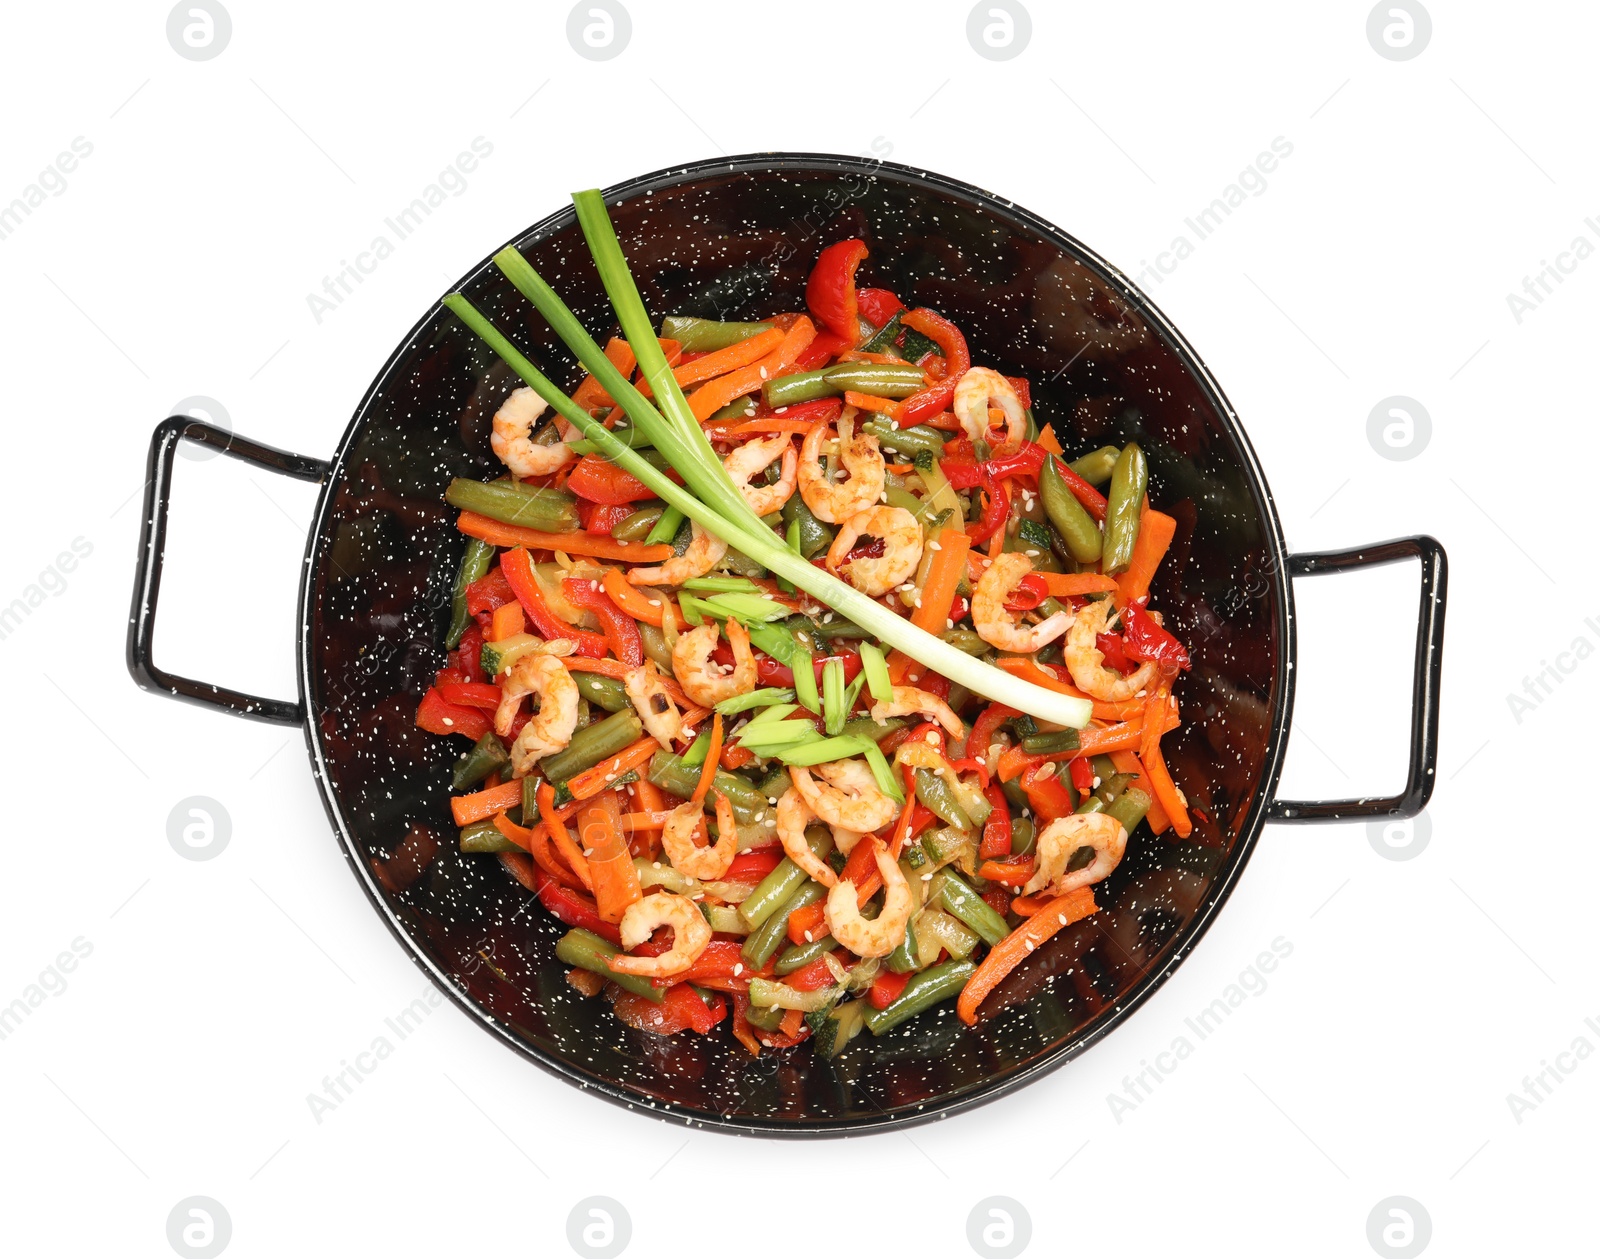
x,y
833,707
887,782
776,640
776,734
776,713
835,749
696,755
766,697
853,693
717,585
876,671
666,528
793,539
694,610
805,679
745,608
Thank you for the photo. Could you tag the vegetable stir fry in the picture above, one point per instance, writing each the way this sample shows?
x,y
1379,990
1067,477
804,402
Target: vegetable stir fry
x,y
807,681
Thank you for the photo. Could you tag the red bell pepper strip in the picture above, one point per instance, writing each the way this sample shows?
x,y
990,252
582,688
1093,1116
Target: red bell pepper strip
x,y
1143,639
770,673
467,658
996,840
814,974
1047,795
489,592
518,568
753,865
680,1009
936,398
1013,872
995,510
1028,594
574,908
437,716
1116,656
929,732
966,473
886,987
878,306
470,694
1024,394
602,518
1082,774
825,347
1094,502
600,481
831,289
622,631
983,729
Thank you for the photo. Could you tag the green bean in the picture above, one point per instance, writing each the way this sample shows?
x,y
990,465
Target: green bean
x,y
827,631
882,380
815,535
593,744
956,895
474,564
783,391
608,693
965,640
739,409
766,1017
665,530
1095,467
765,937
697,335
908,441
588,951
473,765
927,989
655,644
1022,836
1015,796
1124,505
1130,807
903,958
670,774
1055,741
485,836
1112,787
514,503
798,955
1071,521
637,526
935,794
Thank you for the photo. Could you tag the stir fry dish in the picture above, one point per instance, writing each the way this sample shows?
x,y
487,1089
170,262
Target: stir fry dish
x,y
807,681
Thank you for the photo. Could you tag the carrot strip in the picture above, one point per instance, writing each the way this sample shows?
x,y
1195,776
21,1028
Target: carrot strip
x,y
593,781
1014,949
521,836
1105,710
588,664
1155,536
506,620
616,882
790,1027
720,362
767,424
597,545
716,394
1064,585
804,922
561,837
708,770
649,796
635,602
868,401
1047,439
1129,763
900,469
485,804
591,393
1167,794
938,593
650,820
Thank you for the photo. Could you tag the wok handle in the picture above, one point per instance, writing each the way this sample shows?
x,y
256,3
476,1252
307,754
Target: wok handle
x,y
1424,680
152,546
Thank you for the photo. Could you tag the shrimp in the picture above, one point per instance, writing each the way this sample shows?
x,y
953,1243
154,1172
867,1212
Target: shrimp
x,y
679,839
550,728
902,549
847,797
750,459
994,623
1062,838
833,501
1085,661
701,679
654,706
705,553
690,934
509,437
977,388
879,937
793,815
911,699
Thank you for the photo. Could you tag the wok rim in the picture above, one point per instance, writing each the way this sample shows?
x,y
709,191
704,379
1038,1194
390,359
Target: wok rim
x,y
1281,702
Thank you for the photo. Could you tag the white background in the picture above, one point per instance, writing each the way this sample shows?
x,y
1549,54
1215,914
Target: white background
x,y
1377,262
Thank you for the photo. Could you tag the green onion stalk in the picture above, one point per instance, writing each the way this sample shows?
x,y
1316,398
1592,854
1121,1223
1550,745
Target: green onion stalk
x,y
708,496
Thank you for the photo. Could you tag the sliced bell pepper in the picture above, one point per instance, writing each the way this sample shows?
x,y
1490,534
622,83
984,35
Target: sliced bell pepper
x,y
601,481
966,473
984,728
753,865
886,987
827,346
1112,647
996,841
622,631
438,716
997,506
489,592
469,694
518,568
1143,639
878,306
574,908
1047,795
1082,774
831,288
602,518
1028,594
936,398
680,1009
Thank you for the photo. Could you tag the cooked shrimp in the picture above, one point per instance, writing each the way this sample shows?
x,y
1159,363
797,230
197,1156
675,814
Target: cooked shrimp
x,y
911,699
848,795
880,936
704,553
509,437
836,501
550,728
703,680
978,388
794,814
1086,662
654,706
995,624
751,458
902,549
690,934
1062,838
680,840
